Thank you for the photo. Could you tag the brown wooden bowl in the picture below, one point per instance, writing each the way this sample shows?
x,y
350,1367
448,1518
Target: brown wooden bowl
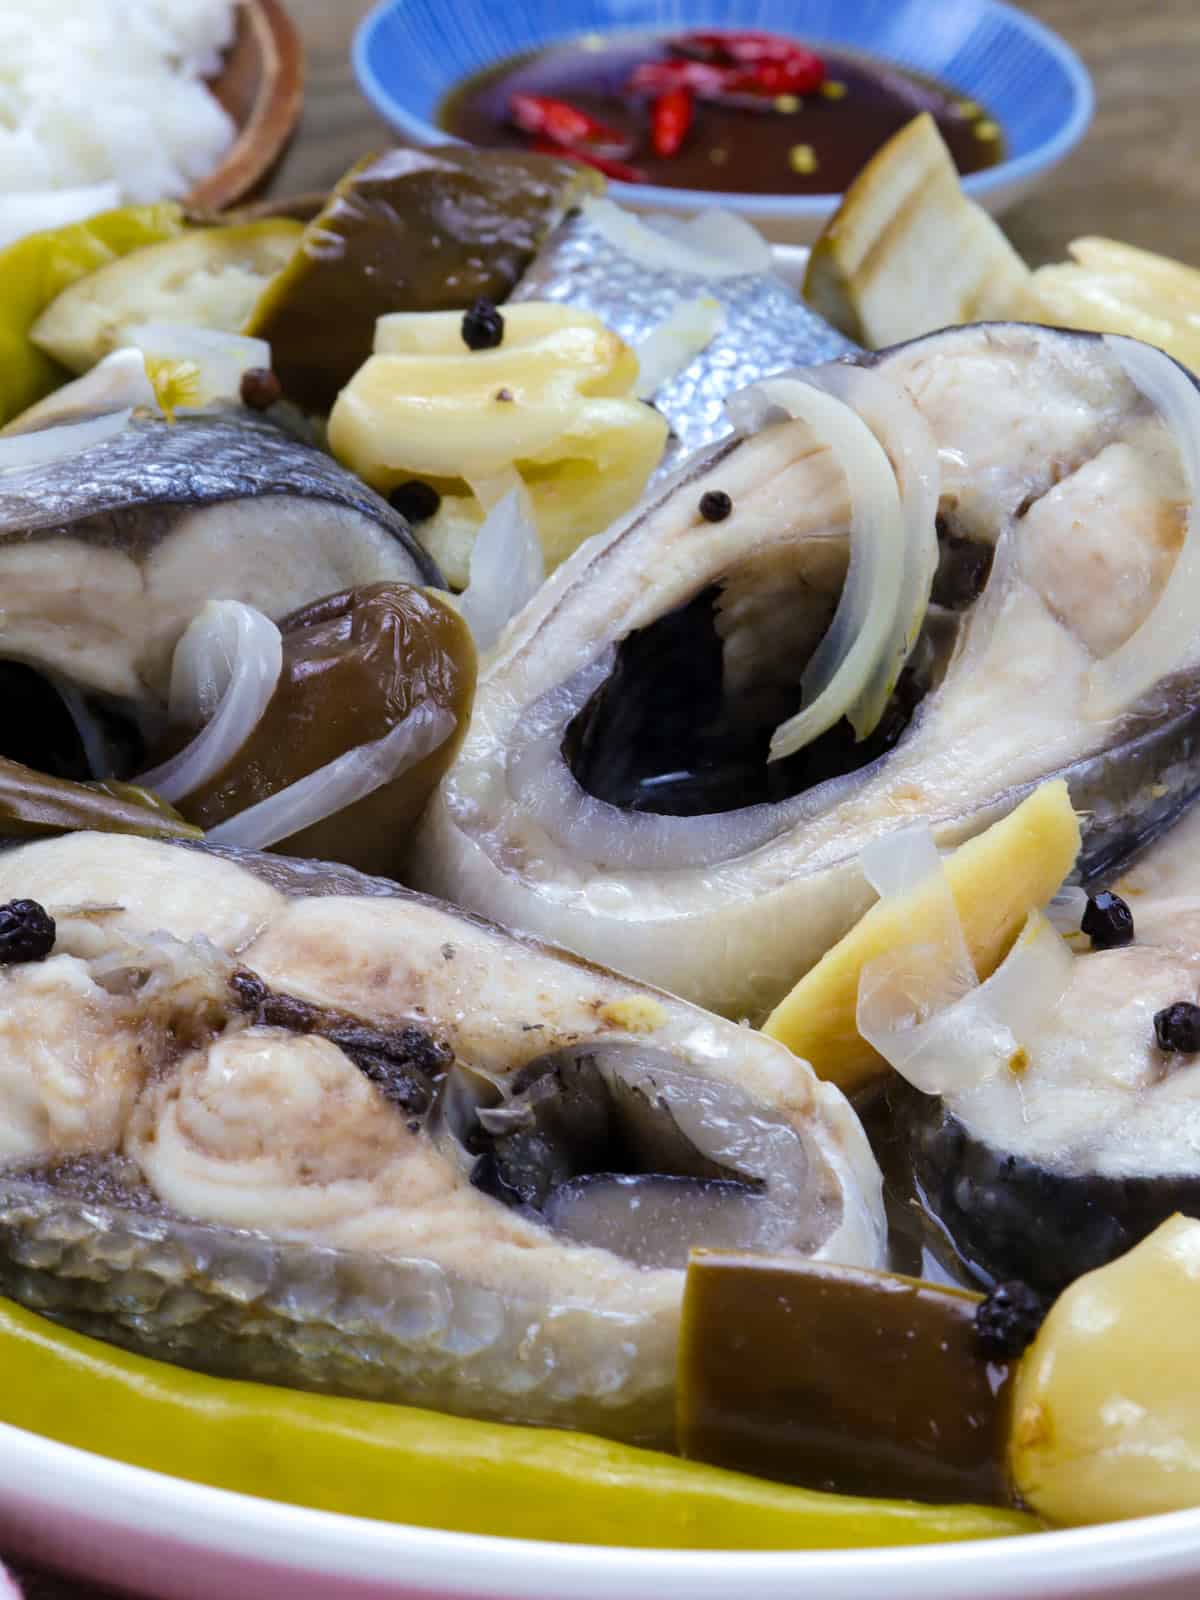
x,y
261,85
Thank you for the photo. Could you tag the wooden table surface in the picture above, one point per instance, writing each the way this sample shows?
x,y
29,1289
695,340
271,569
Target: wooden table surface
x,y
1136,176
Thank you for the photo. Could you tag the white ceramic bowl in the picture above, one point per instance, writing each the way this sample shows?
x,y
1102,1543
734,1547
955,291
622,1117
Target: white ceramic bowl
x,y
409,53
171,1540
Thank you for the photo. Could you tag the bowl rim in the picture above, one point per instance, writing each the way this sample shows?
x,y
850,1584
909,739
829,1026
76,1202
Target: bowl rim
x,y
97,1494
260,144
977,185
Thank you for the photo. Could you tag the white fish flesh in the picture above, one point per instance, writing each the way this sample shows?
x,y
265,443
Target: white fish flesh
x,y
614,792
279,1120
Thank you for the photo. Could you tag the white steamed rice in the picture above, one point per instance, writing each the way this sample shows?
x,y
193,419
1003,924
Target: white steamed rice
x,y
95,90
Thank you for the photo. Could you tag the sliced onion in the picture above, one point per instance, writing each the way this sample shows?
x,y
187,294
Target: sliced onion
x,y
1066,910
339,784
36,210
676,342
900,862
224,672
716,244
507,567
41,447
720,235
859,650
943,1046
934,970
921,1004
913,451
490,490
593,830
91,733
118,383
1168,637
219,360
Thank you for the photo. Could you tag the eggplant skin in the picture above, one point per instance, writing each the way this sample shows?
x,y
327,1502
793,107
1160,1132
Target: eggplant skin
x,y
1010,1217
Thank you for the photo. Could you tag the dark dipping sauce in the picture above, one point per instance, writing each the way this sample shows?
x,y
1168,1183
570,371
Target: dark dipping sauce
x,y
811,145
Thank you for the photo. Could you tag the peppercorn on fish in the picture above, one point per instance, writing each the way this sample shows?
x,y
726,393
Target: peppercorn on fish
x,y
282,1121
1055,1169
637,782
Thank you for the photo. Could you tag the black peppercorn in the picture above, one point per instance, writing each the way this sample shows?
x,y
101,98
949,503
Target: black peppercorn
x,y
27,932
1107,921
482,326
260,388
1177,1028
415,501
715,506
1007,1321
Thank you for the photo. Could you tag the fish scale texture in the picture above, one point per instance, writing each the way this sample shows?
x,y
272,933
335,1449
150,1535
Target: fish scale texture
x,y
237,1303
766,327
196,461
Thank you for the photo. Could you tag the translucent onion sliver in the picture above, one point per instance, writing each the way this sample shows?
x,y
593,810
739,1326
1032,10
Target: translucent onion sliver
x,y
220,360
859,654
1067,908
908,439
507,566
675,342
42,446
714,244
339,784
91,733
935,970
118,383
978,1035
225,670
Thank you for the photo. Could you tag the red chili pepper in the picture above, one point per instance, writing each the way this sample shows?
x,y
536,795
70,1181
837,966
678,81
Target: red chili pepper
x,y
617,170
745,45
670,119
773,78
708,81
565,124
784,67
660,77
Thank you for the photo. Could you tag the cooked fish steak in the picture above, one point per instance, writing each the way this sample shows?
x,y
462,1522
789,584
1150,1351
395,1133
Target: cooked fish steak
x,y
240,1140
614,792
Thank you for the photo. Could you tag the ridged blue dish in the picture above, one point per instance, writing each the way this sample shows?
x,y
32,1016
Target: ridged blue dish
x,y
409,53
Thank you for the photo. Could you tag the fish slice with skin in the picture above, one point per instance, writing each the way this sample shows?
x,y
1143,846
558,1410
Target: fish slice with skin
x,y
107,555
1064,501
272,1118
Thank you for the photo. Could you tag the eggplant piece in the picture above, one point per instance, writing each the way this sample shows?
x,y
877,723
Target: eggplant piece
x,y
203,278
33,805
840,1378
355,666
406,230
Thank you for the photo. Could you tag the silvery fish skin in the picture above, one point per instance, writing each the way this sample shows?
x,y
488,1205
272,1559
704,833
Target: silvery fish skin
x,y
1057,480
233,1188
106,555
766,327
